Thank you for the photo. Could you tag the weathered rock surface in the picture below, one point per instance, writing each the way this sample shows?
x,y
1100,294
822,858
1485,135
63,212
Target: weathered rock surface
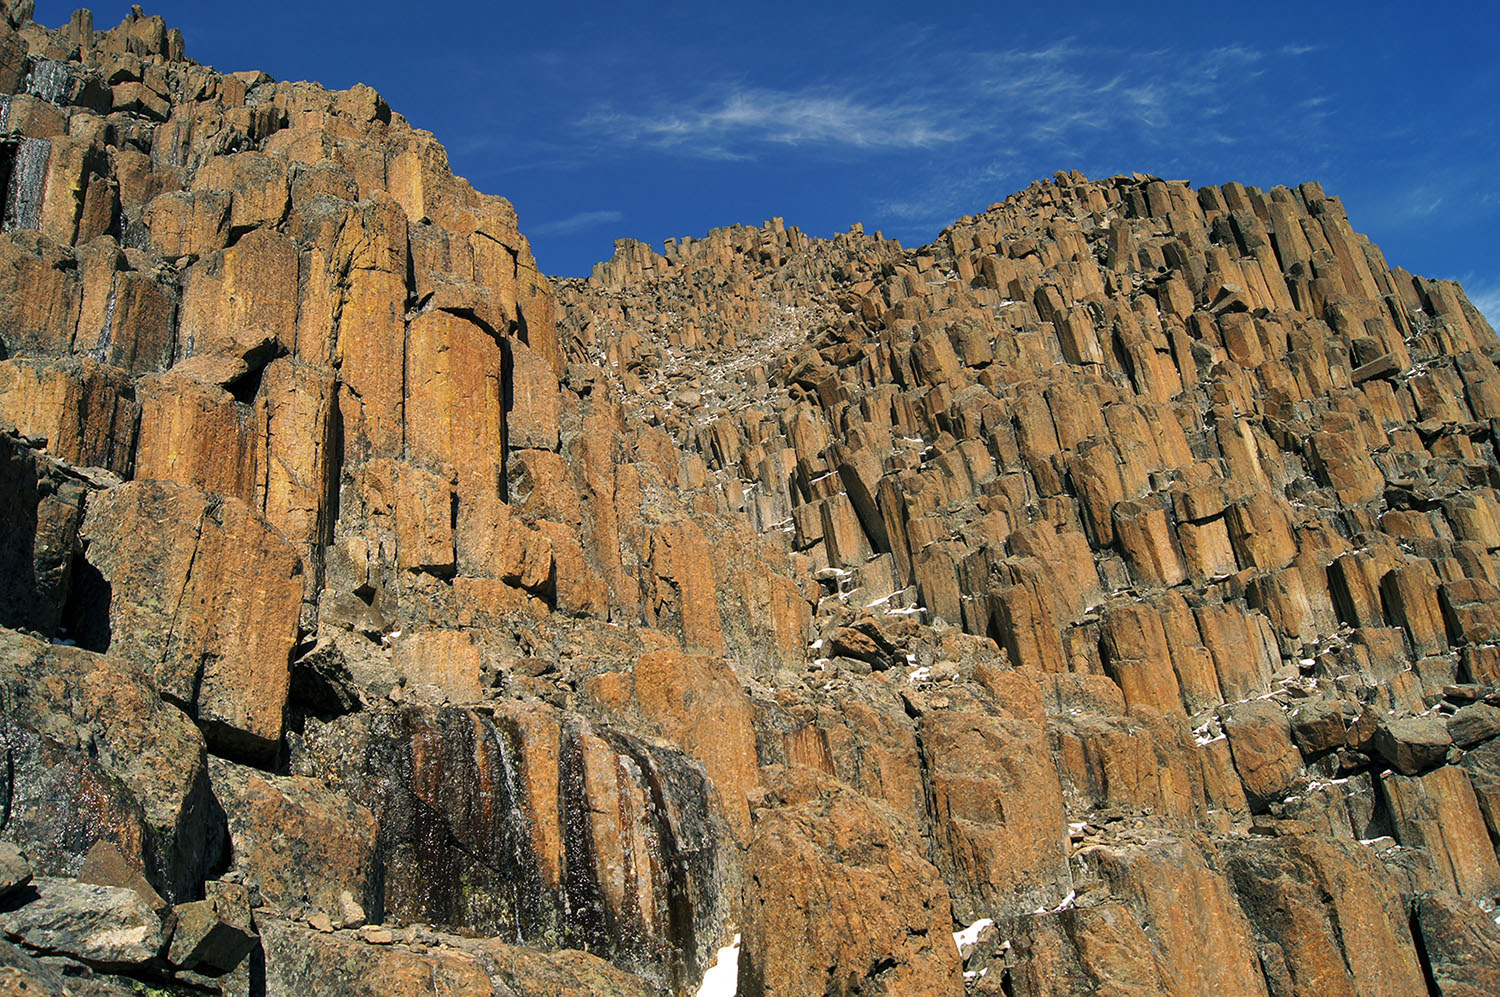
x,y
15,868
94,755
299,961
208,594
1116,574
1462,945
104,925
298,842
841,902
214,934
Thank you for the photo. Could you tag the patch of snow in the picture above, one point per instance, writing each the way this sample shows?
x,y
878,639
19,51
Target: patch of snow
x,y
920,674
970,935
722,978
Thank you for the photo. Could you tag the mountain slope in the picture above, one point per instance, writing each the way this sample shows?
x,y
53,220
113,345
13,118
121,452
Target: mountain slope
x,y
1113,579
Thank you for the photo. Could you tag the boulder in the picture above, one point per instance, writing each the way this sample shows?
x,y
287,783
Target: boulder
x,y
1413,744
301,843
95,756
107,926
213,935
1260,738
207,596
15,869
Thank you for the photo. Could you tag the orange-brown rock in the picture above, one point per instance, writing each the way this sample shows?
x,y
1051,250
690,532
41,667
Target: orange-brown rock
x,y
1079,950
842,901
996,810
1199,936
206,597
1260,738
1439,814
352,964
1330,917
1103,553
696,703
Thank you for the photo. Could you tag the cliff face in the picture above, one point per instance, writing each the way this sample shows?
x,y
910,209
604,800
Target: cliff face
x,y
1114,578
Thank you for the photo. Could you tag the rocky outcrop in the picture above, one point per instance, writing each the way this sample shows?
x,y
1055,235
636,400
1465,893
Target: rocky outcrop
x,y
1101,599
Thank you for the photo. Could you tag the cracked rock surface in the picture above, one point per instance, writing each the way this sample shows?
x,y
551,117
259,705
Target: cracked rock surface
x,y
1100,599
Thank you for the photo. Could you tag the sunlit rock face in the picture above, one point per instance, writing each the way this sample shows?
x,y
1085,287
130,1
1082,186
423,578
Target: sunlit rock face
x,y
1100,599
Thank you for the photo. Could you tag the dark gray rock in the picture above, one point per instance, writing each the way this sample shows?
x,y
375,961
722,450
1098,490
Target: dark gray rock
x,y
41,507
214,934
1413,744
1462,945
21,974
102,925
1322,726
94,754
1474,724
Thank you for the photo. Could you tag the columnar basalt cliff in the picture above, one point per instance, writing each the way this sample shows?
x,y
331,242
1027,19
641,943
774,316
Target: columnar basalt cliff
x,y
1102,599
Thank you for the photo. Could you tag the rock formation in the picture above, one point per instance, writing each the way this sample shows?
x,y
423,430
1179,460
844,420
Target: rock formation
x,y
1101,599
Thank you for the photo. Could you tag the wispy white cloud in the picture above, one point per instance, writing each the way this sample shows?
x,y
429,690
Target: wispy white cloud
x,y
1059,99
1486,297
722,125
577,223
954,130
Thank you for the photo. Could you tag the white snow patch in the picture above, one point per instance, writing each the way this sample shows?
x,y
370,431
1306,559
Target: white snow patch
x,y
920,675
722,978
970,936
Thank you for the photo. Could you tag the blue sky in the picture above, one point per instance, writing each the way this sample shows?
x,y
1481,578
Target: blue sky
x,y
602,120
